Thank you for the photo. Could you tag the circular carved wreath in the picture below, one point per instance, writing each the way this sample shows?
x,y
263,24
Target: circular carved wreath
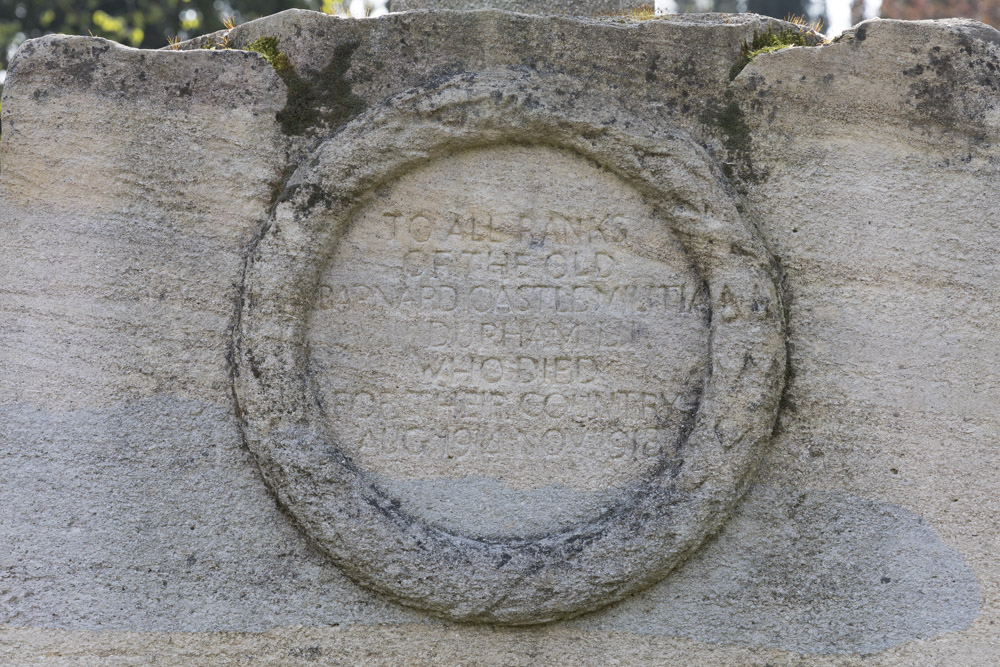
x,y
665,515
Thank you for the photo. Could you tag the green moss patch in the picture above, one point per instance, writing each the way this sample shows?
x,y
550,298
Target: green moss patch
x,y
766,43
268,48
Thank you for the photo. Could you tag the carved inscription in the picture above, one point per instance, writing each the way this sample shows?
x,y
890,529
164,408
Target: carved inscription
x,y
512,313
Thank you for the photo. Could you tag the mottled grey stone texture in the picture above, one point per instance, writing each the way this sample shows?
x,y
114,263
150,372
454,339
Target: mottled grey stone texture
x,y
155,207
543,7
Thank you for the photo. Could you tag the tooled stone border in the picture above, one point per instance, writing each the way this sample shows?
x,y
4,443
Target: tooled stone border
x,y
513,581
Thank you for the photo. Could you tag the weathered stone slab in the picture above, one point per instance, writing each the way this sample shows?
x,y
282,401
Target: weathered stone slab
x,y
543,7
501,318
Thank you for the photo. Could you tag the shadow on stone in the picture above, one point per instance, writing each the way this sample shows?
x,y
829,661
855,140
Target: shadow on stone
x,y
189,540
810,571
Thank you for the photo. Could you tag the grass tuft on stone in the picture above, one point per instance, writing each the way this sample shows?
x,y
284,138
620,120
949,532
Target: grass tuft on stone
x,y
767,42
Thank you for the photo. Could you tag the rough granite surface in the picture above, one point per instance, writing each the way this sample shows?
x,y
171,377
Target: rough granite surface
x,y
544,7
144,196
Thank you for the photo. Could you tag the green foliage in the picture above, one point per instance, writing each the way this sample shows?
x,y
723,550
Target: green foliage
x,y
146,24
766,43
640,13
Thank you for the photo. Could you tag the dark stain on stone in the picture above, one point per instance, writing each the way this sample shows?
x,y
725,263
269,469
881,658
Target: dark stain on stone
x,y
80,71
324,98
688,71
945,96
307,653
965,43
736,138
319,99
651,68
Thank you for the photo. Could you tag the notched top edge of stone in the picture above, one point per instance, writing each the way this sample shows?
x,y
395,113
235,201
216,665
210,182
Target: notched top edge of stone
x,y
924,78
53,65
298,17
907,40
711,19
302,33
878,30
71,61
957,26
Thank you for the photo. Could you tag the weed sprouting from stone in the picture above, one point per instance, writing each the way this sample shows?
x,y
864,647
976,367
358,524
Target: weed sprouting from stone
x,y
766,43
640,13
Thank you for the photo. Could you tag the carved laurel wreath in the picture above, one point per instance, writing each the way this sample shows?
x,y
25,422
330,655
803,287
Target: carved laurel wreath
x,y
513,581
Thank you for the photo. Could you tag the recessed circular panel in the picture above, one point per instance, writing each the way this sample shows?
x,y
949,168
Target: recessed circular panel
x,y
506,338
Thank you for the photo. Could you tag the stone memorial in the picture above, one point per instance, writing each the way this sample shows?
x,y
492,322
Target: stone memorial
x,y
476,337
